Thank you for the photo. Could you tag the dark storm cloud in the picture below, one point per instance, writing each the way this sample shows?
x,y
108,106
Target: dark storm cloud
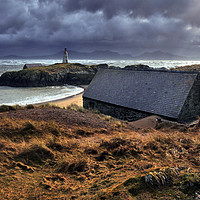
x,y
126,25
137,8
11,20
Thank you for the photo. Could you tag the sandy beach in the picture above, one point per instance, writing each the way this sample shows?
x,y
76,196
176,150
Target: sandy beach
x,y
75,99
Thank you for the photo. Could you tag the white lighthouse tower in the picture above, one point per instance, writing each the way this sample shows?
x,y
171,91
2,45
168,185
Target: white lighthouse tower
x,y
65,57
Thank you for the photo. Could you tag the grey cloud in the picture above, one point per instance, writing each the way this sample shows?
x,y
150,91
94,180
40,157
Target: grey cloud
x,y
99,24
136,8
12,20
187,10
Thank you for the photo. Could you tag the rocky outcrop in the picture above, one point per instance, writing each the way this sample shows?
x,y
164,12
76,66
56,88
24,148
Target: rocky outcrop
x,y
143,67
58,74
138,67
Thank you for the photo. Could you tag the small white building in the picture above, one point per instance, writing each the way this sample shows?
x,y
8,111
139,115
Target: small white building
x,y
65,57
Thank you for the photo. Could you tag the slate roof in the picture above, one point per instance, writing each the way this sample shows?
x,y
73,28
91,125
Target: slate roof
x,y
158,92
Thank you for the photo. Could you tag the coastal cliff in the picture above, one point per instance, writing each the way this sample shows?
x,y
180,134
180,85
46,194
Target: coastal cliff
x,y
56,74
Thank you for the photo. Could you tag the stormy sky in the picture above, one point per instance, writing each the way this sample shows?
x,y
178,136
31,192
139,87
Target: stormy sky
x,y
32,27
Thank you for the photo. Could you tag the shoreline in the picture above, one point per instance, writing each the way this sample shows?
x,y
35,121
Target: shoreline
x,y
64,102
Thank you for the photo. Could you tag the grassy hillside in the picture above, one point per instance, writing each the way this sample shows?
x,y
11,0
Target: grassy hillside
x,y
54,153
195,67
55,68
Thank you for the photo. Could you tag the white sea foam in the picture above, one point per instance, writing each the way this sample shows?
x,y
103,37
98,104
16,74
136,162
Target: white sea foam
x,y
24,96
152,63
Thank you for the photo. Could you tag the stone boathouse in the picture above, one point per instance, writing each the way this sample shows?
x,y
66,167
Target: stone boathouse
x,y
135,94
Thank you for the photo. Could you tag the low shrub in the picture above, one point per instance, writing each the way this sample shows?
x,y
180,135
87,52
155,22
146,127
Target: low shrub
x,y
75,107
35,155
73,167
5,108
114,143
30,106
82,132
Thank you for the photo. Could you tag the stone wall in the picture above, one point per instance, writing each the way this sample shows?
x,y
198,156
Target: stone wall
x,y
114,110
191,107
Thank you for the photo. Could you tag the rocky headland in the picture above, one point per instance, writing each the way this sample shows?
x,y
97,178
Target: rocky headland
x,y
53,75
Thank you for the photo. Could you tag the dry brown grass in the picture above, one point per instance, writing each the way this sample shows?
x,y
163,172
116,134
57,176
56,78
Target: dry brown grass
x,y
69,67
195,67
49,160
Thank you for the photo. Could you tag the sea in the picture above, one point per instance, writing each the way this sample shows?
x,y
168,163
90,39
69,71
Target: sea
x,y
35,95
